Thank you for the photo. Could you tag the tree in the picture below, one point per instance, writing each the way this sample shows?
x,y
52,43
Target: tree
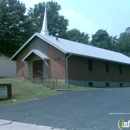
x,y
114,43
13,26
124,43
101,39
127,30
77,36
56,23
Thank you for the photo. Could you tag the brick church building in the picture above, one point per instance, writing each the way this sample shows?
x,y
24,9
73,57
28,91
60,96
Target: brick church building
x,y
76,63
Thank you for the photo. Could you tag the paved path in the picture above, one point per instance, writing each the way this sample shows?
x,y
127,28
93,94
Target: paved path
x,y
74,110
13,125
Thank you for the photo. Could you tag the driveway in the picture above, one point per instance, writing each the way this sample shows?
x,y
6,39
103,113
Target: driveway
x,y
75,110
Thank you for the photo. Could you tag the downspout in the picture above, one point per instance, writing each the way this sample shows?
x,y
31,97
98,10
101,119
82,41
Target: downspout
x,y
67,68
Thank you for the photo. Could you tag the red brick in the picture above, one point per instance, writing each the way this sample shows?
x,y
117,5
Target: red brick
x,y
22,69
56,63
78,70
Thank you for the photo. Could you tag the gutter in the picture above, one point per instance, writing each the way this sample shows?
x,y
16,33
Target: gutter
x,y
67,68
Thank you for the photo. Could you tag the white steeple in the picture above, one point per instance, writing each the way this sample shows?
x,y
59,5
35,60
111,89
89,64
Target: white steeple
x,y
44,25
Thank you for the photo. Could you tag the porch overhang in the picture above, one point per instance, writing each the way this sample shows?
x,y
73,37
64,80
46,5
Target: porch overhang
x,y
36,52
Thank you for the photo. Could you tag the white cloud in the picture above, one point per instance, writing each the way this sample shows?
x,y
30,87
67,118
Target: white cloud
x,y
77,20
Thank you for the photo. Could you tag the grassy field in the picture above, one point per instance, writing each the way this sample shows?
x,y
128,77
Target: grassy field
x,y
24,91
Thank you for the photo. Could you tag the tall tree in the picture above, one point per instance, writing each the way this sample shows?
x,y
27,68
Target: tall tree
x,y
101,39
124,43
127,30
114,43
56,23
13,25
77,36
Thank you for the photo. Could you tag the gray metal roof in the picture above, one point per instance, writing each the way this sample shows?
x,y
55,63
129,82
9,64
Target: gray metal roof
x,y
38,53
70,47
75,48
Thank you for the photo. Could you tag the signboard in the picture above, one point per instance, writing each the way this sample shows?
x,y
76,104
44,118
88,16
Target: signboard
x,y
3,92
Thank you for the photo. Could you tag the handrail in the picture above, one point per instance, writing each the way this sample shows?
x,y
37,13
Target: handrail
x,y
32,73
29,73
40,71
45,73
53,78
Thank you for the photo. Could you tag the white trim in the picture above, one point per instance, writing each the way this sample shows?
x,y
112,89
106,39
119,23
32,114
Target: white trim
x,y
70,47
44,30
36,34
67,68
46,63
38,53
51,43
23,46
119,113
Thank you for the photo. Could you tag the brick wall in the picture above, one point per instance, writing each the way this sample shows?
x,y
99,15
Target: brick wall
x,y
56,63
22,68
77,67
78,70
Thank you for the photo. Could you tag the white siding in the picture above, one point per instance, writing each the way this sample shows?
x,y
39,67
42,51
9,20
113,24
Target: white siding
x,y
39,44
7,67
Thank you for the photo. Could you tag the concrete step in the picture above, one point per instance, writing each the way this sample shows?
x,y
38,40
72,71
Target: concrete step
x,y
48,85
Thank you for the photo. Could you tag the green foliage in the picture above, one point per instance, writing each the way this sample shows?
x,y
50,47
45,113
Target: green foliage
x,y
114,43
56,23
124,43
102,39
127,30
13,26
16,27
77,36
24,91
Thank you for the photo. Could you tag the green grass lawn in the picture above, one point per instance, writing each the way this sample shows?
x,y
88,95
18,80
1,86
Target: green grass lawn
x,y
74,87
24,91
65,86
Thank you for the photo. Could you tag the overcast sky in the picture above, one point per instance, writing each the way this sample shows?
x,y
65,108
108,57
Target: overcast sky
x,y
90,15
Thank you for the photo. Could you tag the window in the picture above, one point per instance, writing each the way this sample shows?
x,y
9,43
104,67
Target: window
x,y
107,84
90,84
120,69
121,84
90,65
107,67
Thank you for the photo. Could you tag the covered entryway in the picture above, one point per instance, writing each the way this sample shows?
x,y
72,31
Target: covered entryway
x,y
38,68
37,63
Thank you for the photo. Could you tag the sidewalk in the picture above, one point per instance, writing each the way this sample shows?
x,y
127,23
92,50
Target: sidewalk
x,y
13,125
